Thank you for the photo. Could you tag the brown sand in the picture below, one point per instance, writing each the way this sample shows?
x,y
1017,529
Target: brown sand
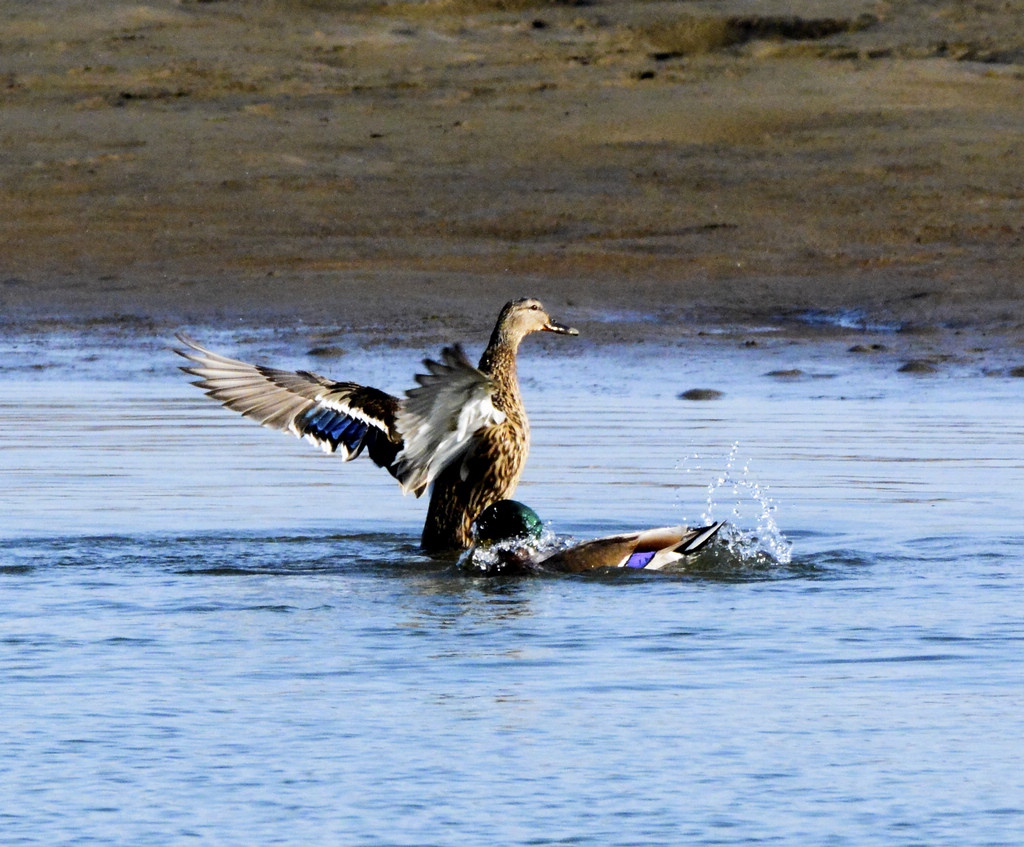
x,y
372,165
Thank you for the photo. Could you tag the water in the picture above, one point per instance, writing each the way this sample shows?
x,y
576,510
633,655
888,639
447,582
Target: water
x,y
211,633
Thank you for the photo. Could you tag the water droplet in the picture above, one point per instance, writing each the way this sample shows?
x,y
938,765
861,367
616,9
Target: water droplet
x,y
752,533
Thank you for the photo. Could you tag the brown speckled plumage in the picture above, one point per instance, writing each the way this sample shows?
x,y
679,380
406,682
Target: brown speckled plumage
x,y
492,471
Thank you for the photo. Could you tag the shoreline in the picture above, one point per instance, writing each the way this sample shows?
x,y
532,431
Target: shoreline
x,y
398,305
129,348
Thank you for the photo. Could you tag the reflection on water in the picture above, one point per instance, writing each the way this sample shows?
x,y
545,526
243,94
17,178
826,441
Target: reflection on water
x,y
210,632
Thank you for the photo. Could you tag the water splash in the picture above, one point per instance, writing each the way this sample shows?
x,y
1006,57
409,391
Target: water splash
x,y
752,533
508,556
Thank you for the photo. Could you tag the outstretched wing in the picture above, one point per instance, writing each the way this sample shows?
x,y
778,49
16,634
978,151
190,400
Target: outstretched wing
x,y
339,417
438,421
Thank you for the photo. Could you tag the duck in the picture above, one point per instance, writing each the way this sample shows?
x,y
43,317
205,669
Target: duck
x,y
511,531
461,432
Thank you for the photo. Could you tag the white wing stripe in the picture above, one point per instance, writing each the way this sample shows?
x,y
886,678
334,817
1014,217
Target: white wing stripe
x,y
305,404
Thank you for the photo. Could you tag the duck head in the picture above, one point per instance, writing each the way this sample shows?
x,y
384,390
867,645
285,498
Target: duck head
x,y
508,520
519,318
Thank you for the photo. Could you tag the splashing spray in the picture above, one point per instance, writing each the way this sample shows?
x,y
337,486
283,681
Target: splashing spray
x,y
751,533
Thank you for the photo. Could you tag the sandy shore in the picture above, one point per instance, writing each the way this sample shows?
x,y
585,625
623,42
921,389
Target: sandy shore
x,y
368,165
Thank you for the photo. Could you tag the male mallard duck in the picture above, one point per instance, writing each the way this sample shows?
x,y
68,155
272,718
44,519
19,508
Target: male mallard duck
x,y
463,429
651,549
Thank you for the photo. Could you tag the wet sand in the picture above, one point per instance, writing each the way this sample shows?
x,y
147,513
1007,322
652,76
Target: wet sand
x,y
390,167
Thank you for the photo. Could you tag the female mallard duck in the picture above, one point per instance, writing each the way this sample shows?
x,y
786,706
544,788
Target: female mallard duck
x,y
463,429
515,529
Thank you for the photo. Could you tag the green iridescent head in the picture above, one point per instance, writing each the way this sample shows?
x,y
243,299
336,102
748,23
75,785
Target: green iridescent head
x,y
505,520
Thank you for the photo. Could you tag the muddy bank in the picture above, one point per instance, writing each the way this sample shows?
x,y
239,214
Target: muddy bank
x,y
372,165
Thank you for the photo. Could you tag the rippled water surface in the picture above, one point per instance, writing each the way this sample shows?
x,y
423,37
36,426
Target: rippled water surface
x,y
210,633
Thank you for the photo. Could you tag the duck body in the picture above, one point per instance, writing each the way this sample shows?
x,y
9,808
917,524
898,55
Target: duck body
x,y
649,549
491,470
460,493
511,532
462,432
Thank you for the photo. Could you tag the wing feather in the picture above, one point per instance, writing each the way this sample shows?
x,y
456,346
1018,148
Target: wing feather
x,y
339,417
438,421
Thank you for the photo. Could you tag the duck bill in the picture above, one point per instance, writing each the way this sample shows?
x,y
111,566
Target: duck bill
x,y
551,326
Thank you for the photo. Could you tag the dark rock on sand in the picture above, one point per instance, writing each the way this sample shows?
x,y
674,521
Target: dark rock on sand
x,y
919,366
328,351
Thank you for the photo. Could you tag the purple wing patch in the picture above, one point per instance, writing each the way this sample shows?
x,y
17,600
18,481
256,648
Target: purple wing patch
x,y
638,560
